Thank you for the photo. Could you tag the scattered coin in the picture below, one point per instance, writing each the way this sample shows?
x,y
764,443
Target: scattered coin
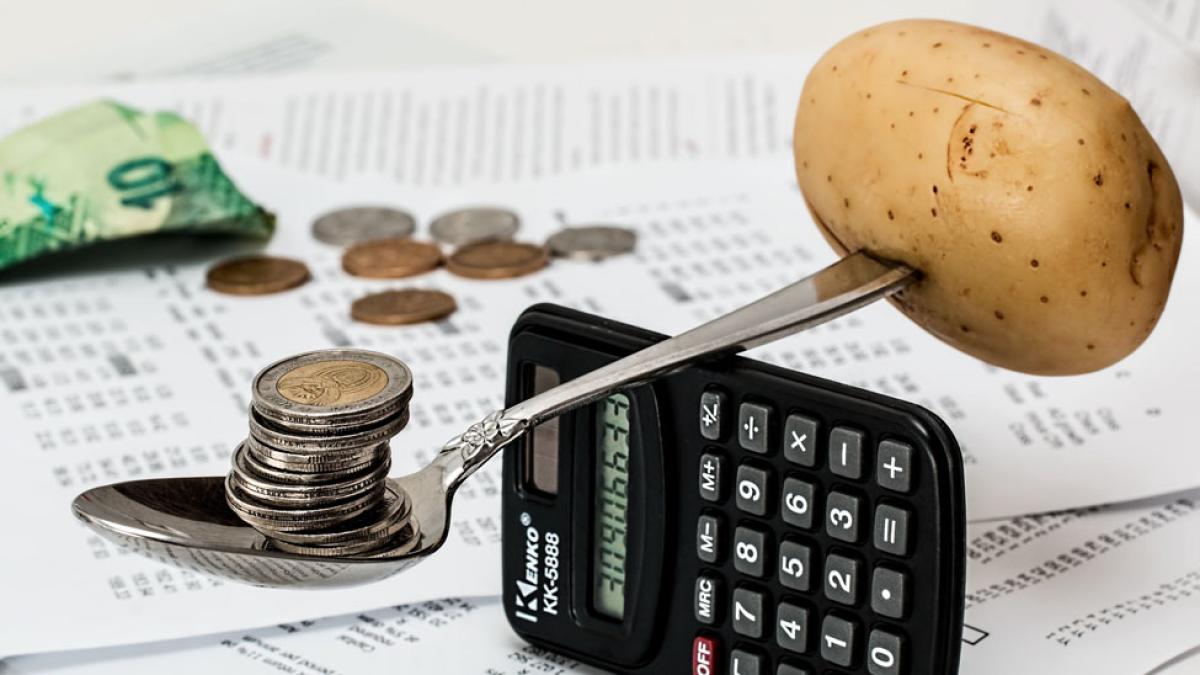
x,y
497,260
592,242
405,306
256,275
475,224
391,258
344,227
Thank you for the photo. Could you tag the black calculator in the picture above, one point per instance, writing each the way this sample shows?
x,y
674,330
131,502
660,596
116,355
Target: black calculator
x,y
732,518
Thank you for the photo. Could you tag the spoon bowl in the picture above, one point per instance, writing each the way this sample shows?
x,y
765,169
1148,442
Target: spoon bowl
x,y
187,523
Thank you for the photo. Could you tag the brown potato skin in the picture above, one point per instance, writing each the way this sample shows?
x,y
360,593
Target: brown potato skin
x,y
1045,220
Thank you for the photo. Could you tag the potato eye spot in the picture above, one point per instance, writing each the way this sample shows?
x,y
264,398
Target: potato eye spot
x,y
1098,179
1080,141
1045,299
1029,188
999,315
996,237
1035,101
891,216
936,45
1034,263
934,212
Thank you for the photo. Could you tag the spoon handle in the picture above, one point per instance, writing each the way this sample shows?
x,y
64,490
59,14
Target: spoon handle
x,y
844,286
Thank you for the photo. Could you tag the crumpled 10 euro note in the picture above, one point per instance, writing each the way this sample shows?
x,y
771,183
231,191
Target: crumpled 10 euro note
x,y
104,171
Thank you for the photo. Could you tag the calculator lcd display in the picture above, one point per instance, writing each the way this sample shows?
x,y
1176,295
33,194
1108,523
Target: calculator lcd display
x,y
612,501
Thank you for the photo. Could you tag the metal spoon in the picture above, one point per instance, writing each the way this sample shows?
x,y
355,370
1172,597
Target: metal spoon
x,y
186,521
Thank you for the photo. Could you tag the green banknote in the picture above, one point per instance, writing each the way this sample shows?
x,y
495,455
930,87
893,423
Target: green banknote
x,y
105,171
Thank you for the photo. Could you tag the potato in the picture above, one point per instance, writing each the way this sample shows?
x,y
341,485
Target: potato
x,y
1045,221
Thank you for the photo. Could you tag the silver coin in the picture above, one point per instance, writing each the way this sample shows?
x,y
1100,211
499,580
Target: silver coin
x,y
378,524
473,225
285,476
345,461
267,519
331,444
398,544
286,495
344,227
592,242
331,388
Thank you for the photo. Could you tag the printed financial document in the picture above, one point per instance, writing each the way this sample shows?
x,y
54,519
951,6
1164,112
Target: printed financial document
x,y
1098,590
129,368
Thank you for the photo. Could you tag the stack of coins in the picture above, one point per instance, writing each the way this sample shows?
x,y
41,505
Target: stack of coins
x,y
312,475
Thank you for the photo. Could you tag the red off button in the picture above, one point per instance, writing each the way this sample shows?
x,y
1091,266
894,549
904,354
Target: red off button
x,y
704,656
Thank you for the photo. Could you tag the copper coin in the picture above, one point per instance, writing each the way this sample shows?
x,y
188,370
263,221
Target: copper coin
x,y
497,260
405,306
391,258
256,275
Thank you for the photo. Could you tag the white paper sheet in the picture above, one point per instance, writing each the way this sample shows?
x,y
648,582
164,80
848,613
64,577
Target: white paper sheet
x,y
1098,591
457,126
141,371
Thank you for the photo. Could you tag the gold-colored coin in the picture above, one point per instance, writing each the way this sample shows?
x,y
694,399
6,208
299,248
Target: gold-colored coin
x,y
405,306
256,275
332,383
497,260
391,258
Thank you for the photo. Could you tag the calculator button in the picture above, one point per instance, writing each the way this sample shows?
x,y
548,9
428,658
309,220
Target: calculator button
x,y
845,452
750,551
894,466
841,516
837,640
884,653
708,539
795,560
889,592
747,612
713,404
791,627
704,656
708,595
744,663
711,476
841,579
789,669
752,490
798,502
800,440
754,421
891,529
